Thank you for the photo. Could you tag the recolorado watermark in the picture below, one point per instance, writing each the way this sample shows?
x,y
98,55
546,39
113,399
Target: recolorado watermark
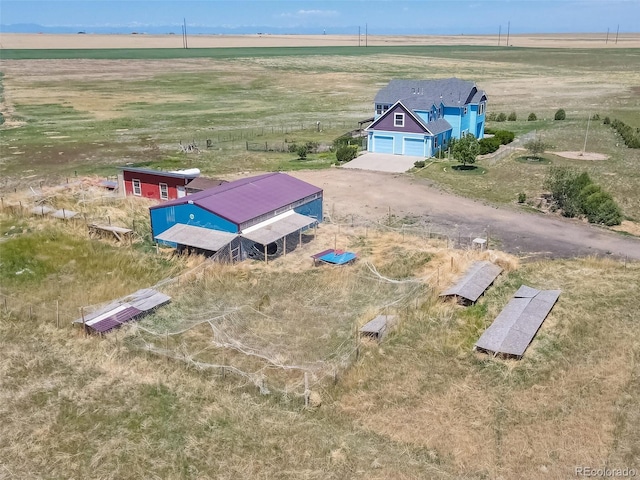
x,y
605,472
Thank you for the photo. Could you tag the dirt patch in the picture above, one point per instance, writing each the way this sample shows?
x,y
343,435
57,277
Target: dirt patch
x,y
629,227
374,196
582,155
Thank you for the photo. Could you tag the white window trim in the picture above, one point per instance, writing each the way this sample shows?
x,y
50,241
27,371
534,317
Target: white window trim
x,y
166,196
481,109
139,185
396,117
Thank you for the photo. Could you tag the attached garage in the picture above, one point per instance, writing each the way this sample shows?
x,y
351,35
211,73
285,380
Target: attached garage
x,y
382,144
413,147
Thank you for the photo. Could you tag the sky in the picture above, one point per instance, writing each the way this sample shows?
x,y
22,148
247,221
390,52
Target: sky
x,y
378,17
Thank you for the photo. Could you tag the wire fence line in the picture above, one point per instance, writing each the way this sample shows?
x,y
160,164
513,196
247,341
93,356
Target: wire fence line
x,y
244,337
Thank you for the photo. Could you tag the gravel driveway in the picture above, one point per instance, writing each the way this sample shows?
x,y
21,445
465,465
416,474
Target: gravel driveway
x,y
371,194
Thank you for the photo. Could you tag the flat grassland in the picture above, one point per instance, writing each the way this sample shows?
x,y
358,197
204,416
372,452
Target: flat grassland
x,y
419,405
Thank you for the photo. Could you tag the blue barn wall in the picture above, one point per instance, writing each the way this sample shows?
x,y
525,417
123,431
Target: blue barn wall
x,y
311,209
166,217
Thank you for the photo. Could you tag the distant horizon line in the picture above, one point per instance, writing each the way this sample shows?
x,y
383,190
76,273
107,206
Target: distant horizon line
x,y
355,30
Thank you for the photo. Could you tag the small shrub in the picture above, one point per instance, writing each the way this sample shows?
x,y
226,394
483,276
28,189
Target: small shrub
x,y
419,164
302,152
346,153
595,116
504,136
293,148
501,117
560,115
491,117
522,197
607,120
512,117
489,145
532,117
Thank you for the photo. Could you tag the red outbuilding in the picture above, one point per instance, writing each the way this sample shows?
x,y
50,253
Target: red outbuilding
x,y
156,184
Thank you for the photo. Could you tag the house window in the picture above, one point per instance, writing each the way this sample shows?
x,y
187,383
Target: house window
x,y
435,142
465,110
385,108
164,191
137,189
378,109
398,120
481,109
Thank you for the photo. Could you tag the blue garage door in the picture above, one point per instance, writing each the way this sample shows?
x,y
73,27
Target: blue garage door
x,y
413,147
382,144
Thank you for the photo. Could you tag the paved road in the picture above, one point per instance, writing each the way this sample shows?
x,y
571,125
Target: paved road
x,y
370,194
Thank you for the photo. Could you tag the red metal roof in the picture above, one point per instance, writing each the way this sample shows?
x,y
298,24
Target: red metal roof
x,y
248,198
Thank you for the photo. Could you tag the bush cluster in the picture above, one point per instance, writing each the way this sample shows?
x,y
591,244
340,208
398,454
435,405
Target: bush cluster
x,y
532,117
630,136
576,194
304,149
346,153
500,137
512,117
419,164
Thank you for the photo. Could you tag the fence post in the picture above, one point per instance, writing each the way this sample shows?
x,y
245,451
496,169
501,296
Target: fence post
x,y
306,389
57,314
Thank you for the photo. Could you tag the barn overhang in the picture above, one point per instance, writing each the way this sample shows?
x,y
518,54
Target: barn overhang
x,y
278,227
196,237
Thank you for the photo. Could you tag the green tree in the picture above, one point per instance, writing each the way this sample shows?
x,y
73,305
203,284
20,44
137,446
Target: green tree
x,y
512,117
536,147
560,114
302,151
466,149
532,117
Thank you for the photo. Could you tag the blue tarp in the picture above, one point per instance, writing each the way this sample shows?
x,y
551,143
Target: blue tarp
x,y
338,258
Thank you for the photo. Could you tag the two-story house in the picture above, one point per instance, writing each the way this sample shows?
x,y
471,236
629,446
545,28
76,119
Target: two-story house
x,y
419,117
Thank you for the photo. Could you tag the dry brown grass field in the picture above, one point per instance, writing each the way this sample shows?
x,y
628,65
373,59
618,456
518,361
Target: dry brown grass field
x,y
49,41
152,400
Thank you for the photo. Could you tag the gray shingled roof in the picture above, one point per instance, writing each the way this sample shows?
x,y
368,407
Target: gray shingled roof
x,y
514,328
423,94
438,126
477,279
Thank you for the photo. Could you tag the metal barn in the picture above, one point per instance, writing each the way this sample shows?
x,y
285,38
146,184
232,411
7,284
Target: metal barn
x,y
258,217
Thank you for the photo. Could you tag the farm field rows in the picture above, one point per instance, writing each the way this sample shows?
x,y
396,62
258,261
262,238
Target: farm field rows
x,y
152,400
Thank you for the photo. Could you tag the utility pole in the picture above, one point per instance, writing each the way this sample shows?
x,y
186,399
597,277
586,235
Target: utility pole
x,y
499,33
508,31
366,35
584,149
607,39
617,31
186,44
358,35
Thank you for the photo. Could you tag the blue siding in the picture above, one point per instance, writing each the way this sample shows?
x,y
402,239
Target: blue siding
x,y
452,115
164,218
311,209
